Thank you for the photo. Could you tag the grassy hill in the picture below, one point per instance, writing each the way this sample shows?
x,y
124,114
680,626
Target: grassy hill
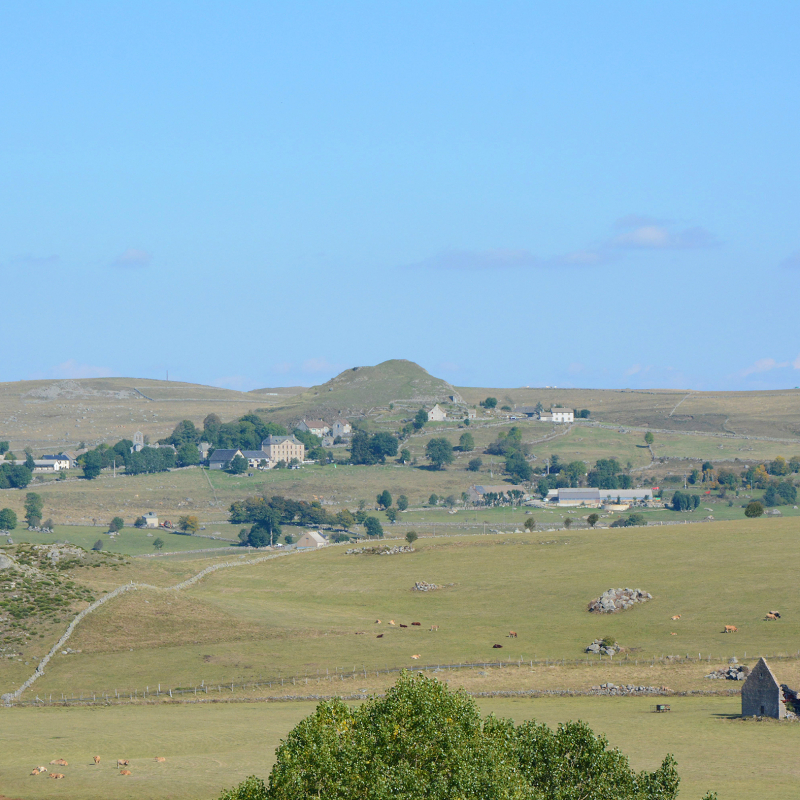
x,y
356,391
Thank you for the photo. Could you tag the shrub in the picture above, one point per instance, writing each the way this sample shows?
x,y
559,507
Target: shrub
x,y
98,545
475,464
754,509
411,537
8,519
116,524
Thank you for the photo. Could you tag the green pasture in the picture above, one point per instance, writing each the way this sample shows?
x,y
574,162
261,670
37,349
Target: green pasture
x,y
129,541
300,614
210,747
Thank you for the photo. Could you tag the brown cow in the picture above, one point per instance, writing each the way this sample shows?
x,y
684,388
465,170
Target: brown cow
x,y
403,626
379,636
416,623
391,622
776,614
416,656
676,617
730,629
160,759
512,634
60,762
377,622
125,772
497,647
770,615
122,762
56,775
96,759
434,627
35,771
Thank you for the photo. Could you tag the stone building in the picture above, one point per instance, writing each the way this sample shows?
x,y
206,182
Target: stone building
x,y
761,693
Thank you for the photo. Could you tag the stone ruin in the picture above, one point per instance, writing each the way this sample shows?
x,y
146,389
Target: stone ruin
x,y
733,672
614,600
380,551
597,646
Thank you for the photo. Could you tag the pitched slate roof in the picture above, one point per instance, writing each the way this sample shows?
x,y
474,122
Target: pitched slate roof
x,y
223,455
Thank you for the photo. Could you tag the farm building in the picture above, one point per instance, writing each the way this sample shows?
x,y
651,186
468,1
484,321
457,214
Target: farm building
x,y
589,496
316,426
437,414
761,694
310,540
341,427
151,519
219,459
558,415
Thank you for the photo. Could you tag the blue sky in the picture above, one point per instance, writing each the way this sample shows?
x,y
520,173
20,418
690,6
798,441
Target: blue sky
x,y
510,194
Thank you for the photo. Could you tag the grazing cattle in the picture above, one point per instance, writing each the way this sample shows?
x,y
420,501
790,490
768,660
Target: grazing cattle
x,y
391,622
416,623
379,636
56,775
512,634
730,629
122,762
96,759
359,633
42,769
160,759
434,627
377,622
676,617
124,772
416,656
60,762
673,634
770,615
403,626
497,647
776,614
35,771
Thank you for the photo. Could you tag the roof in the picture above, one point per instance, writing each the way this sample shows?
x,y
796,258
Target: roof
x,y
62,457
278,439
587,493
223,455
316,537
315,423
253,454
150,514
562,410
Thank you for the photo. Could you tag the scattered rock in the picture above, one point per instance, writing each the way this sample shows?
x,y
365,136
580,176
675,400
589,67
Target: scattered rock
x,y
613,689
734,672
422,586
380,551
603,648
614,600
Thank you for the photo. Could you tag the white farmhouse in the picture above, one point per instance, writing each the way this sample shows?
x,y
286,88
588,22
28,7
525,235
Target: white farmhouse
x,y
311,540
437,414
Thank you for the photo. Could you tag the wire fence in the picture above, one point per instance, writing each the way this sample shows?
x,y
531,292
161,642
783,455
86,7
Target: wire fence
x,y
339,675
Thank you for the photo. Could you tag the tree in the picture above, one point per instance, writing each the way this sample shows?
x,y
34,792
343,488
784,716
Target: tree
x,y
116,524
787,492
567,522
489,402
517,467
411,537
189,524
238,465
8,520
402,502
649,438
420,418
593,519
391,514
373,527
405,456
754,509
433,500
92,464
140,522
694,476
158,543
384,499
466,443
98,545
475,464
383,445
451,501
683,501
344,519
423,740
530,524
33,508
3,447
188,455
439,452
29,462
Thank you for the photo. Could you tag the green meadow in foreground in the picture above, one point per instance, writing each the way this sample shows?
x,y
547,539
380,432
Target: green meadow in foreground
x,y
211,747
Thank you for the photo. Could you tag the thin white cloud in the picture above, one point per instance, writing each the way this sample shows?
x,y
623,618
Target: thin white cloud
x,y
133,258
478,260
72,370
767,365
282,368
449,366
796,363
28,261
657,236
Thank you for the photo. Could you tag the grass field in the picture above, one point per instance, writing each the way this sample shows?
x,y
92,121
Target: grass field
x,y
210,747
299,614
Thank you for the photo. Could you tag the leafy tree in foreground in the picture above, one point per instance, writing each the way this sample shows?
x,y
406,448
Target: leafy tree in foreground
x,y
33,508
373,527
8,520
433,500
238,465
424,741
489,402
439,452
411,537
158,543
754,509
116,524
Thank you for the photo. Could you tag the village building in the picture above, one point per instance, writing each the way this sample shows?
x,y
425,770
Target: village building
x,y
472,413
762,695
316,426
589,496
283,448
220,459
151,519
60,462
341,427
255,458
558,415
437,414
311,540
138,442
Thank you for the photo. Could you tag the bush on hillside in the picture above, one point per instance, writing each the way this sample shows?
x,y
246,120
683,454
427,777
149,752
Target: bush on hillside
x,y
423,740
